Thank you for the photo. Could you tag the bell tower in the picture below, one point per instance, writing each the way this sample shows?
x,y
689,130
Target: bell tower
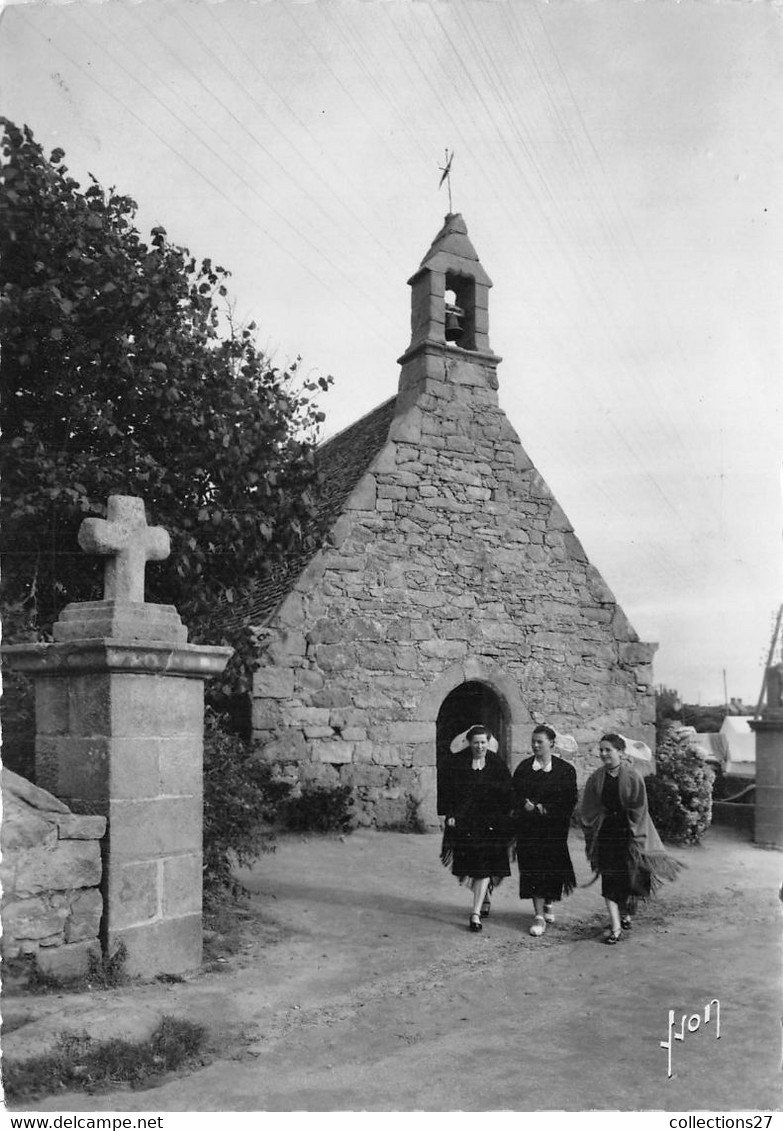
x,y
449,315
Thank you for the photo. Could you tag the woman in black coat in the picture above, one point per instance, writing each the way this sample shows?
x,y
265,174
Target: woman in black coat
x,y
477,804
545,797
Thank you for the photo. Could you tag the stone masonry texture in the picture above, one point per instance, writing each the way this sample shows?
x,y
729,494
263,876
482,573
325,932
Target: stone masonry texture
x,y
50,872
452,561
447,562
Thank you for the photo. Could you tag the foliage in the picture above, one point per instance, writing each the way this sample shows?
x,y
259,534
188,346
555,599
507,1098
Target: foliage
x,y
242,799
680,791
104,972
108,971
122,373
320,808
80,1063
668,707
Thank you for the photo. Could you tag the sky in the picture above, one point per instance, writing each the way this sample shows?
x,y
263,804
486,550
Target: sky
x,y
619,166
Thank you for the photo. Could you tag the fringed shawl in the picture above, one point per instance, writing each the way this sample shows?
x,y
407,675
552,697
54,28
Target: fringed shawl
x,y
646,850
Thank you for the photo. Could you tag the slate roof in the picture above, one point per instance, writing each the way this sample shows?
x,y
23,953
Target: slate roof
x,y
452,248
341,461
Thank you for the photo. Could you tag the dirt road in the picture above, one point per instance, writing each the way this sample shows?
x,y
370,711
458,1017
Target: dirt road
x,y
361,989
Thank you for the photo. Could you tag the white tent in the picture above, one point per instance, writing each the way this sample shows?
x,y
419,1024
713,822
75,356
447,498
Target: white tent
x,y
741,742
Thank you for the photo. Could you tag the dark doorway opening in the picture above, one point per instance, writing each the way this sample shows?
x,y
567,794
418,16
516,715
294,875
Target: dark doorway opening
x,y
465,706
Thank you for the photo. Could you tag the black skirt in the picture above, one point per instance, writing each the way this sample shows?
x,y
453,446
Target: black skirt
x,y
620,882
545,868
478,852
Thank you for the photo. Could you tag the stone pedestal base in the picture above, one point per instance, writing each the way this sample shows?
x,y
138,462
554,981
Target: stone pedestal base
x,y
119,732
122,621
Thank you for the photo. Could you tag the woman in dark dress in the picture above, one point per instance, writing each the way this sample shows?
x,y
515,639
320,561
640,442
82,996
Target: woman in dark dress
x,y
621,842
477,803
545,796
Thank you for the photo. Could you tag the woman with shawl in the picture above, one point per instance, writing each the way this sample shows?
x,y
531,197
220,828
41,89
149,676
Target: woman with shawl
x,y
621,842
477,802
545,796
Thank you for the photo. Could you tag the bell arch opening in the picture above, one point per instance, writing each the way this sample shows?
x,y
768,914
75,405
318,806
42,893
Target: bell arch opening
x,y
470,703
460,313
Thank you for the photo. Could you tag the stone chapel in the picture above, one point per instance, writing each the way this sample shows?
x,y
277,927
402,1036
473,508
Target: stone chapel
x,y
450,588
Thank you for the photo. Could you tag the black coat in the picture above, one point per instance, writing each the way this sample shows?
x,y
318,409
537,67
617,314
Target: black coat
x,y
480,803
545,867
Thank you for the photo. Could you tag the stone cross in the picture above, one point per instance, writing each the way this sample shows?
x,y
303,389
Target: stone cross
x,y
125,536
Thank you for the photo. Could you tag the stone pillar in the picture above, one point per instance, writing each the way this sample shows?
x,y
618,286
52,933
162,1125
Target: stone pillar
x,y
769,763
119,732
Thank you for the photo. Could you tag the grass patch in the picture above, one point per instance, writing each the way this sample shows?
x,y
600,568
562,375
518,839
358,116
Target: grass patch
x,y
234,932
227,927
10,1025
104,972
79,1063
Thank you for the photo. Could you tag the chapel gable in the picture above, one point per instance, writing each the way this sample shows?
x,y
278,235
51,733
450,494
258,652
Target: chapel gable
x,y
449,588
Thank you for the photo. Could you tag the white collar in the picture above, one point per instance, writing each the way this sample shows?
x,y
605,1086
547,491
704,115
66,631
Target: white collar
x,y
478,764
540,766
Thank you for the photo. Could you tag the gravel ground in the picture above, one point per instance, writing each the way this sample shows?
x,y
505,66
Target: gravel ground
x,y
359,988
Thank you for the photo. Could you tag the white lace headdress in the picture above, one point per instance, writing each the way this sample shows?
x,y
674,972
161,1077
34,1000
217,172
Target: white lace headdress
x,y
461,741
564,743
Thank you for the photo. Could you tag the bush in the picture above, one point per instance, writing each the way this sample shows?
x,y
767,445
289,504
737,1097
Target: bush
x,y
680,792
242,800
80,1063
320,808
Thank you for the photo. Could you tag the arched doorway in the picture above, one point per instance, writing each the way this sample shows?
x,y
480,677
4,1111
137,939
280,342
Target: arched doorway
x,y
470,703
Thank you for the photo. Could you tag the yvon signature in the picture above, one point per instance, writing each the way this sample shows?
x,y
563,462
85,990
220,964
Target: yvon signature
x,y
691,1026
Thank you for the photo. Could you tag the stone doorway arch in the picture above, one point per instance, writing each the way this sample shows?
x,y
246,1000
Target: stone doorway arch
x,y
469,703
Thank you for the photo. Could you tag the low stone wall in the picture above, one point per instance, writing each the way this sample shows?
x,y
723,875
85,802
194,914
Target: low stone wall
x,y
50,871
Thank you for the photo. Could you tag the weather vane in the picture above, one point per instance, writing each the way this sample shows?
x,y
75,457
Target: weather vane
x,y
446,174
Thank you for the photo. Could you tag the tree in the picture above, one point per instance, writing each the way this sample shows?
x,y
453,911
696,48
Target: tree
x,y
121,374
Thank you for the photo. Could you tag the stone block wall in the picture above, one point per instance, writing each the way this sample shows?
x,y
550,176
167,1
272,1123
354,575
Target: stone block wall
x,y
129,745
50,872
451,561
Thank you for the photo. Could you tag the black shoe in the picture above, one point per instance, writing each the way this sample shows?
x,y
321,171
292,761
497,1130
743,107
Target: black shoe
x,y
626,922
485,908
475,923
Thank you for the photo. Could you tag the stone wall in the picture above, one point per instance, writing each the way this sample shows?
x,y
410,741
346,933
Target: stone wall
x,y
452,561
50,871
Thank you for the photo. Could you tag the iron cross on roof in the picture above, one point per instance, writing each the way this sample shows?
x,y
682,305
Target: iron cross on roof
x,y
129,543
446,174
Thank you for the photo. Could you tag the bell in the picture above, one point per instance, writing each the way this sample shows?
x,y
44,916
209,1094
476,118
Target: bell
x,y
454,316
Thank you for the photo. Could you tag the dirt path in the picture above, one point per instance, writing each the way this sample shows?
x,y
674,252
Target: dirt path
x,y
363,990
